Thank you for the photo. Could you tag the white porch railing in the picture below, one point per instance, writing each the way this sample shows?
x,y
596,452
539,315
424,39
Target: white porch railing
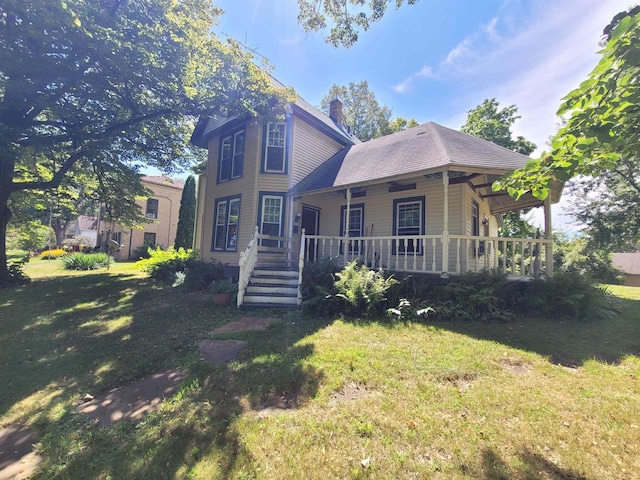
x,y
301,264
247,263
424,253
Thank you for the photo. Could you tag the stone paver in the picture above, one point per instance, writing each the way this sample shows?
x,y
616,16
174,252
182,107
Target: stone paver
x,y
245,324
133,401
18,461
219,352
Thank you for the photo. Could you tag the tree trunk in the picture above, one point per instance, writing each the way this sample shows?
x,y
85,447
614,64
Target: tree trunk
x,y
5,216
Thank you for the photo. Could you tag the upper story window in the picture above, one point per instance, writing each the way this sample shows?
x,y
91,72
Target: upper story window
x,y
152,208
231,157
275,148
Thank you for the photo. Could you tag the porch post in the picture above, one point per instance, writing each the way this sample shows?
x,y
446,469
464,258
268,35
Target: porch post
x,y
445,228
548,235
346,225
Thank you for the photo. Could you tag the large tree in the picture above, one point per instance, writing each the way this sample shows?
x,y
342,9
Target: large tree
x,y
346,17
111,82
604,117
362,112
187,215
489,122
609,207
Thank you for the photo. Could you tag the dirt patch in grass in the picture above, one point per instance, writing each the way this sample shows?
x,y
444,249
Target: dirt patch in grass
x,y
219,352
133,401
518,367
461,380
17,459
245,324
350,391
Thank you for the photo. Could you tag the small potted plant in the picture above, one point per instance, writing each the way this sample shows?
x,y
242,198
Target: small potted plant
x,y
223,290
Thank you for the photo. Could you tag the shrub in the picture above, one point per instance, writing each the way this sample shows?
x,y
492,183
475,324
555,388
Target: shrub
x,y
85,261
200,275
52,254
141,252
15,275
568,294
224,286
406,312
484,296
318,288
362,290
163,265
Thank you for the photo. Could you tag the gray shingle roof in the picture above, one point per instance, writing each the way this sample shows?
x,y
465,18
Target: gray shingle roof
x,y
207,126
423,148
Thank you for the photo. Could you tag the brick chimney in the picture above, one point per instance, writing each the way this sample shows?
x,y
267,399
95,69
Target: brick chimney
x,y
335,111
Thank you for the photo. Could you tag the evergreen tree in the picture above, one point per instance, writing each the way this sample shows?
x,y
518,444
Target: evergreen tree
x,y
187,215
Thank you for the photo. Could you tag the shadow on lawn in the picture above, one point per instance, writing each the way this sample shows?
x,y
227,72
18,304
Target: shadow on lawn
x,y
531,465
566,342
77,335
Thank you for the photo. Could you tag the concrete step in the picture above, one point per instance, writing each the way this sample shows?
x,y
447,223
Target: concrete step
x,y
271,299
271,272
272,289
249,305
273,280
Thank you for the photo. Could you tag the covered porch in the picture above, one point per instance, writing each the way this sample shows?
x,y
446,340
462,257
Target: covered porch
x,y
448,250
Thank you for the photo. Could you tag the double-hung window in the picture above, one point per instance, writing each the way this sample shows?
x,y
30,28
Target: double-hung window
x,y
275,148
478,246
409,221
226,221
152,208
355,225
149,239
231,156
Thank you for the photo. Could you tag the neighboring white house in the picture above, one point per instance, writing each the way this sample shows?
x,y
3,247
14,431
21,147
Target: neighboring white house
x,y
84,226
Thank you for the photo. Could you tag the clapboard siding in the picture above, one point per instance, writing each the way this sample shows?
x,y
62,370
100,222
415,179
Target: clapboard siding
x,y
310,148
244,186
378,210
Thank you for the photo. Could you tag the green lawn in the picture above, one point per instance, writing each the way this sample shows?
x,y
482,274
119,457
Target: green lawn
x,y
526,399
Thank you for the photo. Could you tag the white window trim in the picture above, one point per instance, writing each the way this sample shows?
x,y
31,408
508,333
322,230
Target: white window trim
x,y
284,149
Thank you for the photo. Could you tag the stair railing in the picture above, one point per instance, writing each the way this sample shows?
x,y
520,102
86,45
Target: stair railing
x,y
247,264
303,241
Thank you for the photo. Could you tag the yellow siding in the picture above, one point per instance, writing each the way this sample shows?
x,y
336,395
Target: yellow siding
x,y
378,210
244,186
310,149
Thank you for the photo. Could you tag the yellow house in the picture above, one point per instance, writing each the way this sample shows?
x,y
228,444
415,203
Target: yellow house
x,y
161,216
277,195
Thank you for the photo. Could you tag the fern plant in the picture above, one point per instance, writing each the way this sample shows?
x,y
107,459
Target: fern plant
x,y
363,290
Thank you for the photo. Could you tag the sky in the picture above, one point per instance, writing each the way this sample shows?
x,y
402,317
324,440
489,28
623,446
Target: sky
x,y
436,60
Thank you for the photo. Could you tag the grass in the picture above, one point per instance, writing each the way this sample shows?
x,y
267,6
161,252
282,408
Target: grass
x,y
527,399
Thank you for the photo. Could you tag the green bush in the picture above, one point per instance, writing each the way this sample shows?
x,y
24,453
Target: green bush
x,y
568,295
318,289
200,275
15,275
362,290
162,265
85,261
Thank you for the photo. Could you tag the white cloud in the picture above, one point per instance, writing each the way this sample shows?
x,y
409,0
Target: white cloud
x,y
405,85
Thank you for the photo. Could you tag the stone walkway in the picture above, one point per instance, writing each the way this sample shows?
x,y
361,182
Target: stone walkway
x,y
130,402
245,324
18,461
133,401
